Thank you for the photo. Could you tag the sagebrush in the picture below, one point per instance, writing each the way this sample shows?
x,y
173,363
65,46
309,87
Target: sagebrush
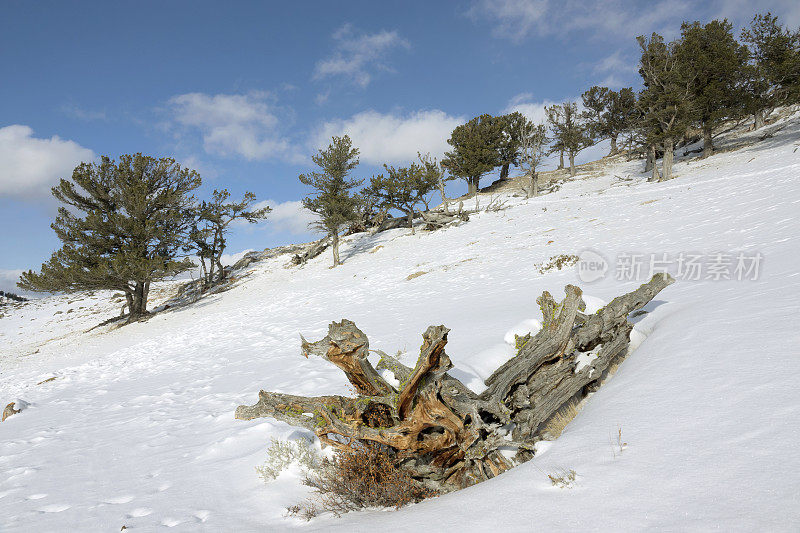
x,y
282,454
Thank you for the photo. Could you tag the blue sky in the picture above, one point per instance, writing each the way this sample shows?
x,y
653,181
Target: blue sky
x,y
246,91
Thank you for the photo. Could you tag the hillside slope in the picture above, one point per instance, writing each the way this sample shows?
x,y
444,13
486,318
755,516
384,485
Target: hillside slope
x,y
137,429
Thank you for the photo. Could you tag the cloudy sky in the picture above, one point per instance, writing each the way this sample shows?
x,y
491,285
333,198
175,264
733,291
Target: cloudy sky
x,y
245,92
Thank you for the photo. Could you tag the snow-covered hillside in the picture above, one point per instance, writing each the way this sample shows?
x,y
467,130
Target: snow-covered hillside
x,y
137,427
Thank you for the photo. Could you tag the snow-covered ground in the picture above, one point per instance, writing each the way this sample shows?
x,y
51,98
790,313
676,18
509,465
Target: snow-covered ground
x,y
137,427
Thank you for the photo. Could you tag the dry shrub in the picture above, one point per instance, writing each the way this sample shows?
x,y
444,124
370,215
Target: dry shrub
x,y
558,262
563,479
282,454
556,424
362,475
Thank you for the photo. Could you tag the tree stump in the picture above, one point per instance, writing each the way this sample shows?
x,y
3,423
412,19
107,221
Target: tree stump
x,y
444,434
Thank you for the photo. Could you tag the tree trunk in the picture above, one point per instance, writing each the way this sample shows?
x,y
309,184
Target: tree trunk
x,y
442,433
472,186
335,246
145,296
410,216
444,196
138,305
206,278
758,119
220,269
614,149
560,159
708,142
504,171
129,300
571,163
651,162
212,269
534,183
667,159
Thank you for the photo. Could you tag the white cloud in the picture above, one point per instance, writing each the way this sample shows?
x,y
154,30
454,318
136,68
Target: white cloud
x,y
615,68
534,111
30,166
514,19
290,217
8,282
616,63
617,19
355,54
245,125
393,138
519,19
742,11
205,169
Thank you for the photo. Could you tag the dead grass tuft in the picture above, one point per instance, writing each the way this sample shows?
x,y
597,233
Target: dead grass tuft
x,y
560,419
563,479
558,262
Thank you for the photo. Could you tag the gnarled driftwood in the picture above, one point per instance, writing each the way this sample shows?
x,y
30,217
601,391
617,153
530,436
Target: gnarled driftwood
x,y
443,433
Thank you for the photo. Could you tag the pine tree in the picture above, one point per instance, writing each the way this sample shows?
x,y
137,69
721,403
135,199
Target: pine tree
x,y
608,113
208,235
665,100
333,202
773,73
476,150
714,62
404,188
569,130
123,225
435,171
596,101
510,144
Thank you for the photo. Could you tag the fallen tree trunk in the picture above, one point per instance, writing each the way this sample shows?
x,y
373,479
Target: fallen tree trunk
x,y
390,223
316,248
435,220
444,434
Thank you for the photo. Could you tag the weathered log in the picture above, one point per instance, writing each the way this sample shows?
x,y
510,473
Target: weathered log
x,y
347,347
313,250
444,434
435,220
390,223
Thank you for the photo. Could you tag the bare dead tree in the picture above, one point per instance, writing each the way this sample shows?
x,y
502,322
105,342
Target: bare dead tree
x,y
532,150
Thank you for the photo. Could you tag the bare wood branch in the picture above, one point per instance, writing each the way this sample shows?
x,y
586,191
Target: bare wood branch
x,y
347,347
